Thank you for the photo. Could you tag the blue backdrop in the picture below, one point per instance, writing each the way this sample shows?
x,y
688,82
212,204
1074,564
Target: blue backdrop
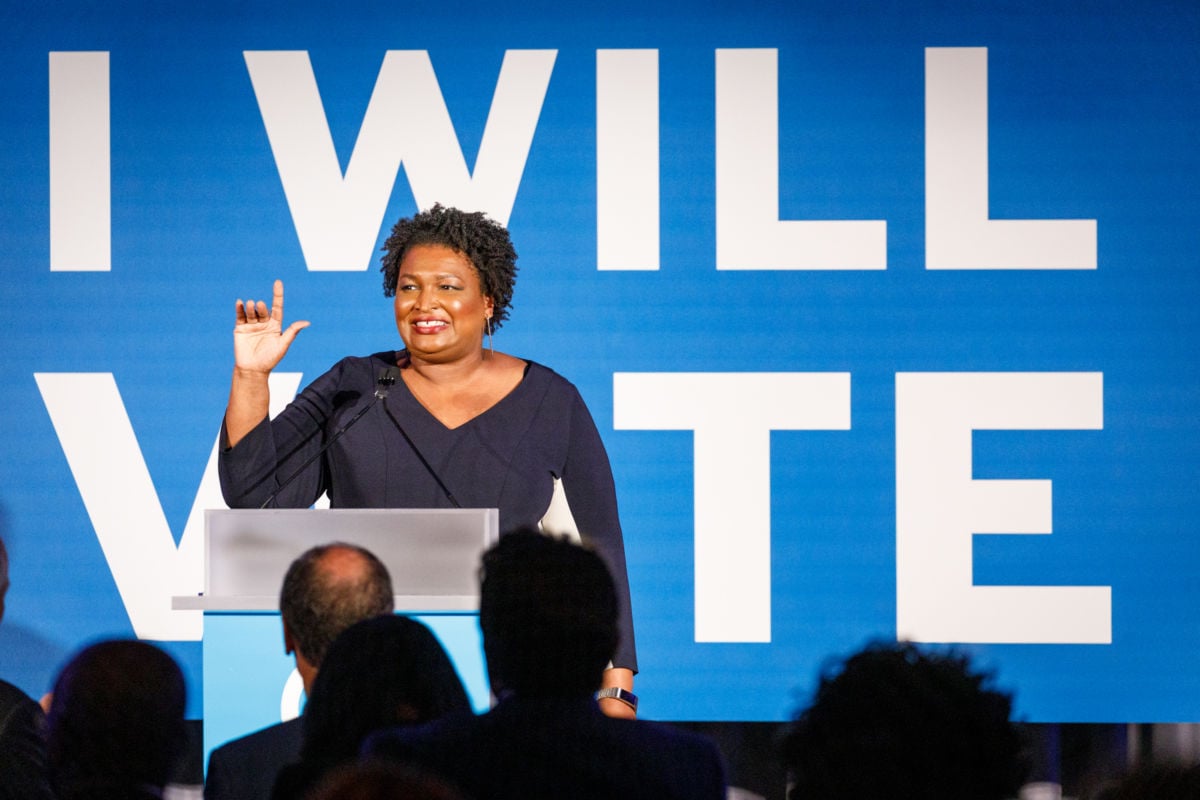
x,y
657,164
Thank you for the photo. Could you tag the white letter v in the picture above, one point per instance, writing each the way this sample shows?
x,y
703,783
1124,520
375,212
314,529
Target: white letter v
x,y
114,482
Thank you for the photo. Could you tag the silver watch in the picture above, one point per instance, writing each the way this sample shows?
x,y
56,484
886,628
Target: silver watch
x,y
617,693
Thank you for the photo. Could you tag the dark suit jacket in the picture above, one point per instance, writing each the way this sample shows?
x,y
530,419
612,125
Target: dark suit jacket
x,y
558,748
22,746
245,768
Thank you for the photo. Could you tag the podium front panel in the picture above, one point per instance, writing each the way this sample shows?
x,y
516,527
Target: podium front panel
x,y
250,683
432,556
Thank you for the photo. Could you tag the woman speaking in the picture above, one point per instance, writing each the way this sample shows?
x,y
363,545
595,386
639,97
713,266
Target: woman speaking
x,y
464,426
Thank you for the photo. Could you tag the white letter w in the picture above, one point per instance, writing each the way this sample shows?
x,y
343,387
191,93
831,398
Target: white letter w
x,y
338,218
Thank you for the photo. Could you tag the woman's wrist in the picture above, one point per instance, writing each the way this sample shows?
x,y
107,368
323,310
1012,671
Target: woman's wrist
x,y
620,695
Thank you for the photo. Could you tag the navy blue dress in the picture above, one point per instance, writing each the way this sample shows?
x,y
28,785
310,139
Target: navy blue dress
x,y
505,458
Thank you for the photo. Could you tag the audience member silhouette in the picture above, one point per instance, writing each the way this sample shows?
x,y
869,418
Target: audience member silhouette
x,y
22,730
1155,782
381,780
115,727
378,673
326,590
548,612
896,722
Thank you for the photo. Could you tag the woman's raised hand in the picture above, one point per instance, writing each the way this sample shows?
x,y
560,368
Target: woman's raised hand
x,y
259,340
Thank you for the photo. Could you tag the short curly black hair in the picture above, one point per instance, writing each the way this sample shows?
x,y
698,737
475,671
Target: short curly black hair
x,y
893,721
482,240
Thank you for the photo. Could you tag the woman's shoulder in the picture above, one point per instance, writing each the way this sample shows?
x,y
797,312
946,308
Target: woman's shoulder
x,y
352,373
367,365
384,358
543,377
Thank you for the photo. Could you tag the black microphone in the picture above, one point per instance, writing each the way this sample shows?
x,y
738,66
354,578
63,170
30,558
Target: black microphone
x,y
383,384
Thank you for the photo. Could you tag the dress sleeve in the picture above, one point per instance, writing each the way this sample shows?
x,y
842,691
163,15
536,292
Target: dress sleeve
x,y
269,454
591,493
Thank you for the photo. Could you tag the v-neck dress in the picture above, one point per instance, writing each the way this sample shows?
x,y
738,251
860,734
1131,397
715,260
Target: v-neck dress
x,y
505,458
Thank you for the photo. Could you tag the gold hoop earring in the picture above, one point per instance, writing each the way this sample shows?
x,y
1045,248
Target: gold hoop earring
x,y
488,320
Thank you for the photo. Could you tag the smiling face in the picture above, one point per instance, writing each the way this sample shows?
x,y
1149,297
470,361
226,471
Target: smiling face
x,y
441,310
